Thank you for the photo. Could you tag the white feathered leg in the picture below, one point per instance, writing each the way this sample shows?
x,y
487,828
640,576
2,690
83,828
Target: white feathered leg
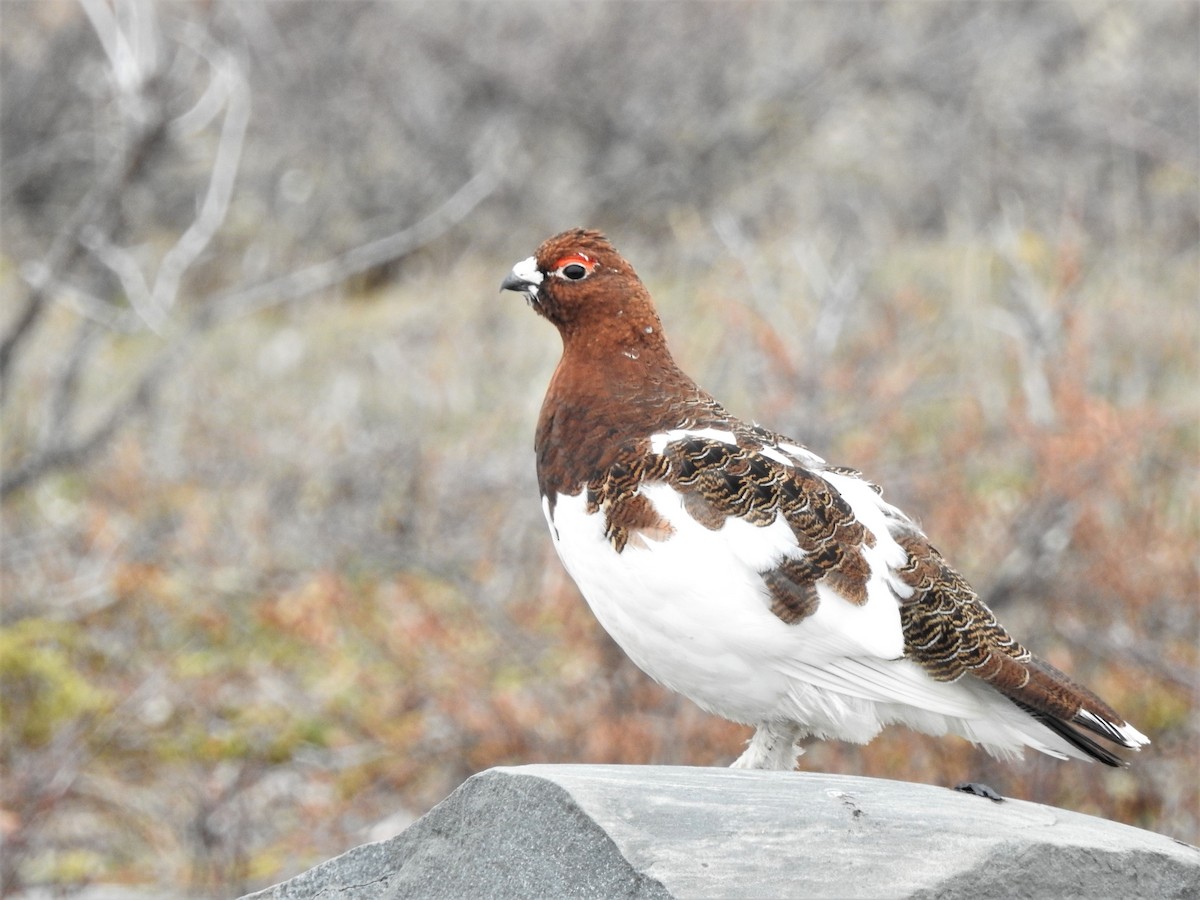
x,y
772,747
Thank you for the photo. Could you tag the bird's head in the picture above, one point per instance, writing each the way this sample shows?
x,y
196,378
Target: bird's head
x,y
581,283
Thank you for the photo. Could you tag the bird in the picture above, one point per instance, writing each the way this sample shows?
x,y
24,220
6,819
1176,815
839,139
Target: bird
x,y
737,567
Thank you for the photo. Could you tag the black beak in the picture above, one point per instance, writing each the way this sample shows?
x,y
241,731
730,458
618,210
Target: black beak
x,y
515,282
525,278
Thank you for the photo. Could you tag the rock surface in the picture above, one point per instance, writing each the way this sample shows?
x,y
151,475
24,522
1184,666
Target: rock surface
x,y
660,832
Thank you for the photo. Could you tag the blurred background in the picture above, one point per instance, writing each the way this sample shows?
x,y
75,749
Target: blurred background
x,y
275,575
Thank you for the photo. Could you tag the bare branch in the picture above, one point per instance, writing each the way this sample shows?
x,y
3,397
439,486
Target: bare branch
x,y
836,294
122,264
96,206
322,276
129,36
236,100
89,306
227,91
60,403
1029,317
93,211
65,453
131,46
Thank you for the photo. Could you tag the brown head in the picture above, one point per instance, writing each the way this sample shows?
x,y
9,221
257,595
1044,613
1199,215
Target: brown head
x,y
581,283
616,381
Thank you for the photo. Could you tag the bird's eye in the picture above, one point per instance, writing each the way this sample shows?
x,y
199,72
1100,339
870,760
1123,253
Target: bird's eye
x,y
575,267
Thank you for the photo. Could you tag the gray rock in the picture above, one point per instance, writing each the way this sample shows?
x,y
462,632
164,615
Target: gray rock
x,y
657,831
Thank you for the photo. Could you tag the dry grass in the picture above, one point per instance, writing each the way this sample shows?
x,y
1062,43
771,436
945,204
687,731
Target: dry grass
x,y
316,589
309,590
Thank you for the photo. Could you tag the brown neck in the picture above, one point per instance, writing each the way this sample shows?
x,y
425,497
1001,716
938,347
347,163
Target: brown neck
x,y
605,395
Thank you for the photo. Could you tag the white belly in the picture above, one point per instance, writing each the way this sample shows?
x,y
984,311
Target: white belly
x,y
692,611
688,617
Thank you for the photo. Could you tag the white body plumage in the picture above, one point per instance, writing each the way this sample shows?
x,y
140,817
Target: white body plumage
x,y
692,611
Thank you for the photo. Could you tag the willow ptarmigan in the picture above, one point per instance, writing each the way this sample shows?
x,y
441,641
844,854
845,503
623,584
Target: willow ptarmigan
x,y
740,569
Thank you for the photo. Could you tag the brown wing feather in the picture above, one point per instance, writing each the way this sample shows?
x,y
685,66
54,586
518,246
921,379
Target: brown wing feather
x,y
719,480
950,632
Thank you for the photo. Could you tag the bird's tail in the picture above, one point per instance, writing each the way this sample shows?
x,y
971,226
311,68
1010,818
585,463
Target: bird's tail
x,y
1066,708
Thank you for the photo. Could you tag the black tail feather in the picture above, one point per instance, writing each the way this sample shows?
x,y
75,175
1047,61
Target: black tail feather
x,y
1106,730
1074,738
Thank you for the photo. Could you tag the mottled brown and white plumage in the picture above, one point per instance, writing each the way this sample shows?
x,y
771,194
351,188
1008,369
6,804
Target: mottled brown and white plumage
x,y
737,567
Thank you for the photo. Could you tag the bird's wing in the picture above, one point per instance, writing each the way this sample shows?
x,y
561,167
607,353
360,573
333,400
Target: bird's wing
x,y
811,543
860,585
952,633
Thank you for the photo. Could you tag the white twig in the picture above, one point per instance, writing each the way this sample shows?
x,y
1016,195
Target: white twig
x,y
130,45
321,276
1034,324
228,92
122,264
836,295
215,206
